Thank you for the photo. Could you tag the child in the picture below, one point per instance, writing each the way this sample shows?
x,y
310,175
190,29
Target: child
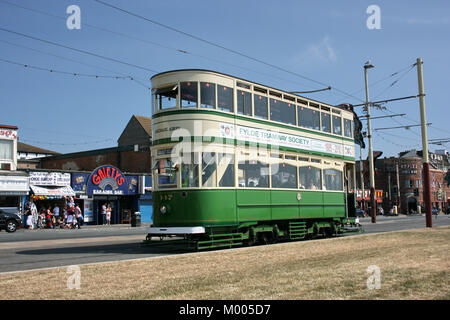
x,y
108,215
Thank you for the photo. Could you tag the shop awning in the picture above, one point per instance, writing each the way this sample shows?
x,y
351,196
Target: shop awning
x,y
53,192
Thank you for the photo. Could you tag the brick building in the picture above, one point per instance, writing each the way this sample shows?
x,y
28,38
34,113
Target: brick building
x,y
404,174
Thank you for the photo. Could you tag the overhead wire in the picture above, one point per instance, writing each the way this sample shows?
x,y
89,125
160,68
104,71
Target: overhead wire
x,y
224,48
184,51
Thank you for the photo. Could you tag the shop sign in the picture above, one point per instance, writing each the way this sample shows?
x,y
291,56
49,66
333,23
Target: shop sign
x,y
107,180
14,184
8,134
49,179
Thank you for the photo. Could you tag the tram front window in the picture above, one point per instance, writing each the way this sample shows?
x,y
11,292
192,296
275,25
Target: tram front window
x,y
253,174
166,171
189,170
348,128
310,178
188,94
166,98
225,170
209,169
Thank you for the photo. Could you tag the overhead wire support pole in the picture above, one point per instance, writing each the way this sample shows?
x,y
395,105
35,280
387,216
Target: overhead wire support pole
x,y
368,65
426,165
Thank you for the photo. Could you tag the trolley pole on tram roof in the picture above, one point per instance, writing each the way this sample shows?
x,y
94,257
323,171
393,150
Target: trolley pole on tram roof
x,y
368,65
426,165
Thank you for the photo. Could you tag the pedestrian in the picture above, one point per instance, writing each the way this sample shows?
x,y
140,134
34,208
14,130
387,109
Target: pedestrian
x,y
79,216
56,214
34,216
108,215
104,207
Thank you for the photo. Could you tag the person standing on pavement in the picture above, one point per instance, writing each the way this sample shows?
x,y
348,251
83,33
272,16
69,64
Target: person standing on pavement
x,y
79,216
56,214
108,215
104,207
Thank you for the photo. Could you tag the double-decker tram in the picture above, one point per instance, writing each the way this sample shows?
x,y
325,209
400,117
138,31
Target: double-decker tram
x,y
236,162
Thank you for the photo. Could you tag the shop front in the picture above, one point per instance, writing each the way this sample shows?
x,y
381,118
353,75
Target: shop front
x,y
50,189
107,185
14,188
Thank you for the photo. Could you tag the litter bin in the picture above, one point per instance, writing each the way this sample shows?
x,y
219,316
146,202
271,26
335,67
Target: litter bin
x,y
136,219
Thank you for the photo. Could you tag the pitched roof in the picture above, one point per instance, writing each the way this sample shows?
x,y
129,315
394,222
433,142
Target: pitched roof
x,y
23,147
146,123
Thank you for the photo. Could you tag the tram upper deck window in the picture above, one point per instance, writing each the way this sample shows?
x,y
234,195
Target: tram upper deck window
x,y
310,178
308,118
326,122
337,126
208,95
284,176
244,103
348,128
166,98
332,179
260,105
282,111
225,98
189,94
253,174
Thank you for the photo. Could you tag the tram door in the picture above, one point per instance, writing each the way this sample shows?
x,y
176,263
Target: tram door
x,y
350,189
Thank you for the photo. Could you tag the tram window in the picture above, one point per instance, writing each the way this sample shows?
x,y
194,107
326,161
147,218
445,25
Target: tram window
x,y
253,174
209,169
337,127
244,102
260,105
166,98
189,93
348,128
303,159
208,95
284,176
308,118
189,171
332,179
290,157
326,122
225,170
243,85
166,172
225,98
310,178
282,111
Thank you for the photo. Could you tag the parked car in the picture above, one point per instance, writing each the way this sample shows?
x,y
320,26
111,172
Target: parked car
x,y
9,219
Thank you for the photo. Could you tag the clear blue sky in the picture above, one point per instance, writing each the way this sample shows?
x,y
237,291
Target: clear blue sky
x,y
327,41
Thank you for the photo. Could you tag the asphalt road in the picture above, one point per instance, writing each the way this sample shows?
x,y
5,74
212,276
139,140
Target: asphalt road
x,y
35,249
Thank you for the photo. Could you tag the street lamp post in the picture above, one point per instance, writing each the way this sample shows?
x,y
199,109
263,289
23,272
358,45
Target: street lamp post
x,y
368,65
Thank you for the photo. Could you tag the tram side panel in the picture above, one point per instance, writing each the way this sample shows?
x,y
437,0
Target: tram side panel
x,y
192,208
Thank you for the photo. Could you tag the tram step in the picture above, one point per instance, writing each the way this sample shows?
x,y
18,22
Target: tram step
x,y
297,230
220,240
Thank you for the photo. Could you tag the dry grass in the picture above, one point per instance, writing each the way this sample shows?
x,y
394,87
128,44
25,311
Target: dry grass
x,y
414,265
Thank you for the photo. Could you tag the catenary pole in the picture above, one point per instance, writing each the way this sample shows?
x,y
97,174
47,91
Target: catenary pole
x,y
425,160
373,213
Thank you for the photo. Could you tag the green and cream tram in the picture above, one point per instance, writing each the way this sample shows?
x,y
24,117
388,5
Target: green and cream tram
x,y
238,162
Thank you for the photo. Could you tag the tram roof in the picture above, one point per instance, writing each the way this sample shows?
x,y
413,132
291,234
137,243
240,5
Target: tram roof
x,y
259,84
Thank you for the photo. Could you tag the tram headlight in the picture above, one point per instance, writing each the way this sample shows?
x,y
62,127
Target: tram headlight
x,y
163,209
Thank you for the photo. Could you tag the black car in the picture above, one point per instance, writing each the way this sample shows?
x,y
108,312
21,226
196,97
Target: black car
x,y
9,219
